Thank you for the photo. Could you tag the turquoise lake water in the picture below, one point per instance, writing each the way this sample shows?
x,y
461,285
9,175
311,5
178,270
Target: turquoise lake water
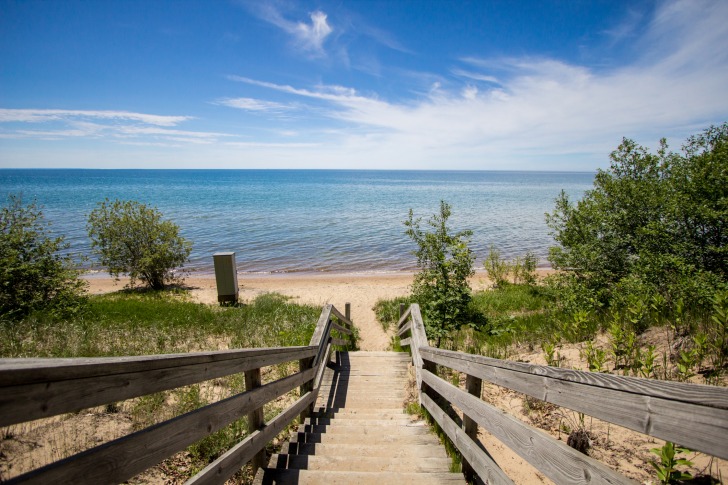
x,y
280,221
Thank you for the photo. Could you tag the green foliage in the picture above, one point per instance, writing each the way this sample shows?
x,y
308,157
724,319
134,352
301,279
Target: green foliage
x,y
387,311
551,354
718,330
33,275
521,269
667,471
496,268
652,224
524,269
595,357
130,323
131,238
445,262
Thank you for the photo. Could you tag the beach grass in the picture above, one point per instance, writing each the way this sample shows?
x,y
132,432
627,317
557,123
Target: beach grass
x,y
157,322
505,316
141,323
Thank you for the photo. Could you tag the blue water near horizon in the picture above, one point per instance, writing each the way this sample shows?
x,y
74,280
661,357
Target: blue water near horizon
x,y
285,221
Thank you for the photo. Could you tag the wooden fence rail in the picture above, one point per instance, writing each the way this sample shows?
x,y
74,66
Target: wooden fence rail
x,y
40,388
694,415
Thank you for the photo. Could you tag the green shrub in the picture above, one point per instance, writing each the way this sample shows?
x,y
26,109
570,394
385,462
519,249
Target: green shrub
x,y
131,238
496,268
33,273
445,262
652,222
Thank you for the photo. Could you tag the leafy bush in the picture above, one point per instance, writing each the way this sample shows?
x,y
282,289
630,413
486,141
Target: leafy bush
x,y
496,268
131,238
33,275
521,269
653,222
445,262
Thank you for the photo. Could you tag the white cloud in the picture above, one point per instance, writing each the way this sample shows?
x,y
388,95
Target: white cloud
x,y
250,104
43,115
111,125
490,113
312,36
531,109
308,37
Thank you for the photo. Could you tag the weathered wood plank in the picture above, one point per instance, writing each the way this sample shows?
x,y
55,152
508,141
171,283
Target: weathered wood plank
x,y
255,416
474,387
676,391
28,371
405,342
121,459
487,469
553,458
339,341
321,326
305,364
696,426
342,318
404,317
74,384
235,458
339,328
405,328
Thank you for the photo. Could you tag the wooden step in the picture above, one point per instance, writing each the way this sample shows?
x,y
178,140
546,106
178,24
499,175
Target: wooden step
x,y
342,449
360,464
359,432
364,431
376,420
318,477
377,439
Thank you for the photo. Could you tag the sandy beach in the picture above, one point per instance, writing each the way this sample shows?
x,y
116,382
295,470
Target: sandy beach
x,y
361,290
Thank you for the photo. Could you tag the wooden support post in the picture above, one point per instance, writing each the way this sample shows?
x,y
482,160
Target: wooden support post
x,y
474,387
305,364
401,310
347,311
255,418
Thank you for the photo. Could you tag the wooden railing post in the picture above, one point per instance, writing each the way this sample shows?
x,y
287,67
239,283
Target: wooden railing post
x,y
474,387
401,310
255,417
305,364
347,311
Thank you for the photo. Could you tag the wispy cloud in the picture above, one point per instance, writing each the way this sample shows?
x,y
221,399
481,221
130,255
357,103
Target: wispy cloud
x,y
307,36
251,104
57,124
43,115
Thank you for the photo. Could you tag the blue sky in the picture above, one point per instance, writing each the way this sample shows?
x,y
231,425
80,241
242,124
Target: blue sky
x,y
514,85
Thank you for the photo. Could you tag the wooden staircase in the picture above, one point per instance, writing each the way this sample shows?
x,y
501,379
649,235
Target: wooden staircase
x,y
359,432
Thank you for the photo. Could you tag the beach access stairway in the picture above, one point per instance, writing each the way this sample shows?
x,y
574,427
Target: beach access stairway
x,y
359,433
350,406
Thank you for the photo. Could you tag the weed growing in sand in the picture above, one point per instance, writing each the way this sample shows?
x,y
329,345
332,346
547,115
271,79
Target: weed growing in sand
x,y
667,471
552,356
595,357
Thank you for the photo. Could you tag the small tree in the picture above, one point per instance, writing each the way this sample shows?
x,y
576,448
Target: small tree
x,y
131,238
653,221
445,262
33,275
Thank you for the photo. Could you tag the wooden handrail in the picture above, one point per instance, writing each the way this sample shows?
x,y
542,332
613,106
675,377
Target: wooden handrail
x,y
40,388
694,415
